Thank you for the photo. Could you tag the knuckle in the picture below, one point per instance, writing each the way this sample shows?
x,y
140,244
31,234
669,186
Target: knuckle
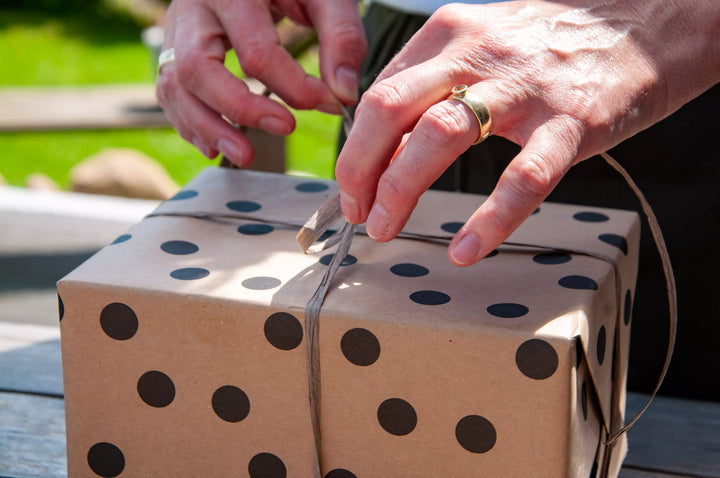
x,y
446,16
532,177
386,100
443,126
349,36
255,60
394,191
186,68
349,177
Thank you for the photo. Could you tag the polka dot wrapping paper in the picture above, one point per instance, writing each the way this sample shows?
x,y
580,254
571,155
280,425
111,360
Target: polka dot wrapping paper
x,y
184,346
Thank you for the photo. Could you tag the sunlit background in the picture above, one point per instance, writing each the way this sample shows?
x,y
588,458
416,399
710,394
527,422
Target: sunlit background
x,y
49,46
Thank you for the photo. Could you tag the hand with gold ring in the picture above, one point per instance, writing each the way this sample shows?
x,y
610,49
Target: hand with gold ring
x,y
564,80
201,97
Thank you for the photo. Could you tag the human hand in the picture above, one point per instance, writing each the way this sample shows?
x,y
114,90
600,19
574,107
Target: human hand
x,y
196,90
565,81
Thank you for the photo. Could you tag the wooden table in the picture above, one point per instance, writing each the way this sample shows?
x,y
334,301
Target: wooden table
x,y
45,235
676,438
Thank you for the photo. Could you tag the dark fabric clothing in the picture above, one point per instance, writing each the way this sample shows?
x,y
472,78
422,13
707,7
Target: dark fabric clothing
x,y
677,166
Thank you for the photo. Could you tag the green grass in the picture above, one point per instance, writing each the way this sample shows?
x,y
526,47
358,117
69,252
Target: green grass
x,y
96,48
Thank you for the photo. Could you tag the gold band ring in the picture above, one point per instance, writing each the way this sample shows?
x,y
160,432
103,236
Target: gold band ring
x,y
461,93
166,56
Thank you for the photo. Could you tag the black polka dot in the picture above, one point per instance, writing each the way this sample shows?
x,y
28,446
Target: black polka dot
x,y
122,238
340,473
589,216
243,206
601,342
106,460
492,253
397,416
61,308
578,283
583,400
452,227
266,465
156,389
186,194
283,331
179,248
429,297
118,321
311,187
348,261
552,258
627,309
255,229
615,240
507,310
190,273
409,270
536,359
537,210
261,283
230,403
360,346
476,434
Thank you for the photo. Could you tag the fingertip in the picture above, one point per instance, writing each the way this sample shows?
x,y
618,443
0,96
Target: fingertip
x,y
234,153
350,208
465,249
275,125
346,84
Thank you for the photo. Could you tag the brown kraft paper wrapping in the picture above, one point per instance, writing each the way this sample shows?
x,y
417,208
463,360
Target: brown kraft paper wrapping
x,y
184,349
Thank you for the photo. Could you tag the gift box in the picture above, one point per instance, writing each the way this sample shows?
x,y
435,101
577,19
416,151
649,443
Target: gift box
x,y
184,343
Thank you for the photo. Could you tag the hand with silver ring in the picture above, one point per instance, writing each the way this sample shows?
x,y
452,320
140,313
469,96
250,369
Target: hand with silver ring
x,y
201,97
564,80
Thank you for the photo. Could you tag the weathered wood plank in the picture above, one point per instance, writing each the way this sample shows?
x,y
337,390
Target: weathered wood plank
x,y
114,106
32,436
30,359
675,436
633,473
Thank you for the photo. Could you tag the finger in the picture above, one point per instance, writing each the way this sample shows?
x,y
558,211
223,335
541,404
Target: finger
x,y
386,111
252,33
389,109
525,183
342,45
201,125
200,68
443,132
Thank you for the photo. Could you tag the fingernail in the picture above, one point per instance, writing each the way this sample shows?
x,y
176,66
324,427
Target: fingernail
x,y
229,149
275,125
466,250
201,146
346,81
350,207
378,222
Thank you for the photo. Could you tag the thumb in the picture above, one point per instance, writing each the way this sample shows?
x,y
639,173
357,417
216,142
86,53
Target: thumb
x,y
342,45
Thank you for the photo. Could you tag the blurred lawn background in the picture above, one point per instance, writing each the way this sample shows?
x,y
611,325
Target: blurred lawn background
x,y
92,42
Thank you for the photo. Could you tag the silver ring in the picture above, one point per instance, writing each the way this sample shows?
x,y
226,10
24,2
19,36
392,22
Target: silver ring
x,y
461,93
166,56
